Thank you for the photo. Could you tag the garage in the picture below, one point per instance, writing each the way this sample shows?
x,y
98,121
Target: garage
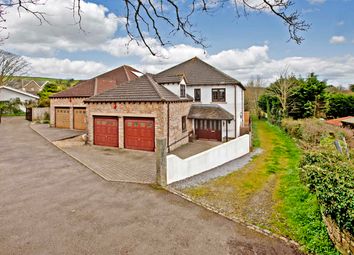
x,y
80,118
139,134
62,117
106,131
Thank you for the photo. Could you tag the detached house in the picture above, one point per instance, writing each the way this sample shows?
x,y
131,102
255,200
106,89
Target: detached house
x,y
192,99
67,108
218,108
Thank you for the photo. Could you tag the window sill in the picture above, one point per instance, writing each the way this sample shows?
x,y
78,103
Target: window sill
x,y
218,102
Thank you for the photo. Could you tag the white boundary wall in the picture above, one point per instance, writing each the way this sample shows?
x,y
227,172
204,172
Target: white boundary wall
x,y
179,169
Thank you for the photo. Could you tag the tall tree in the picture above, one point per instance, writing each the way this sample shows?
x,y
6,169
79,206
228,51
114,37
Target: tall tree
x,y
11,65
309,98
283,89
150,18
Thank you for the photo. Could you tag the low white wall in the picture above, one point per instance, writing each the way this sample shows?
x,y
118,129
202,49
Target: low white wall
x,y
179,169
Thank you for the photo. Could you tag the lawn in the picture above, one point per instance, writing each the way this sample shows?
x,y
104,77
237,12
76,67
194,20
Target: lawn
x,y
268,192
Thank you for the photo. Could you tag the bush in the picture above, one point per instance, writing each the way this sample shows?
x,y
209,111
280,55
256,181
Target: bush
x,y
311,132
331,176
339,105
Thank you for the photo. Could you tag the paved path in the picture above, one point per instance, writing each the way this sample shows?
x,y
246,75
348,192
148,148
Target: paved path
x,y
51,204
56,134
113,164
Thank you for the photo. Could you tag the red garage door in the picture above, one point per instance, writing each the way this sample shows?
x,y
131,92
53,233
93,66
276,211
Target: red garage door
x,y
139,134
106,131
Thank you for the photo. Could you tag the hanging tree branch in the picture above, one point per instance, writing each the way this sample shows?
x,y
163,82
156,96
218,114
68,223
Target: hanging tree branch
x,y
150,18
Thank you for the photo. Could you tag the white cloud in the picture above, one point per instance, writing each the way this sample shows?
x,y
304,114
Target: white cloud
x,y
65,68
242,64
316,1
337,39
27,35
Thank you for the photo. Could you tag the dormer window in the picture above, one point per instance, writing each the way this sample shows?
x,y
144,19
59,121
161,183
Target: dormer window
x,y
182,90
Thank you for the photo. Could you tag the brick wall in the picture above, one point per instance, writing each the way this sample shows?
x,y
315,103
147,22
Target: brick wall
x,y
65,102
343,240
156,110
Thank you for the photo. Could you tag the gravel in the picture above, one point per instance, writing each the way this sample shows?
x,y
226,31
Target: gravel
x,y
219,171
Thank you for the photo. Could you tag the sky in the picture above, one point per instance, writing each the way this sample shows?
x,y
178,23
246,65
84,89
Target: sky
x,y
244,47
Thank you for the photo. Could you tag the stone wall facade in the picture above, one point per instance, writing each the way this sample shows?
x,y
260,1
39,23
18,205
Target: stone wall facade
x,y
65,102
177,136
343,240
156,110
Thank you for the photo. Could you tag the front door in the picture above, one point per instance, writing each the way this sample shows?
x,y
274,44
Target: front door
x,y
208,129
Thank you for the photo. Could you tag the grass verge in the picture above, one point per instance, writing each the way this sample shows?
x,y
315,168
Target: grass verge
x,y
268,192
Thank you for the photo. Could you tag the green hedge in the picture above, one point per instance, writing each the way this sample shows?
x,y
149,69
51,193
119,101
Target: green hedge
x,y
331,176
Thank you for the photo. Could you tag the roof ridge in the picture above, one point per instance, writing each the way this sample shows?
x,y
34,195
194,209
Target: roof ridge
x,y
154,83
126,73
178,65
214,68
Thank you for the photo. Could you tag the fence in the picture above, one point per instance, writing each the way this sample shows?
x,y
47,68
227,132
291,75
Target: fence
x,y
178,169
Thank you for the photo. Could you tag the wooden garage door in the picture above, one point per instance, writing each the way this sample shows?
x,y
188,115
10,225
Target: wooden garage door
x,y
62,117
139,134
80,118
106,131
208,129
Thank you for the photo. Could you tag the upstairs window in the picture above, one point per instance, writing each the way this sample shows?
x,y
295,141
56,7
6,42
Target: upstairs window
x,y
184,123
218,95
182,90
197,95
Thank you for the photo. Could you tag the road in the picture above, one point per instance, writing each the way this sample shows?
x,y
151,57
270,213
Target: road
x,y
51,204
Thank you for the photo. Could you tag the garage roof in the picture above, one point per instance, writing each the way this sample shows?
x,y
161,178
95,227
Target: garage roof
x,y
104,81
209,112
198,72
143,89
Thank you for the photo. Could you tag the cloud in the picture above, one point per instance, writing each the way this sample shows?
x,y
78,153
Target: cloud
x,y
64,68
316,1
242,64
27,35
337,39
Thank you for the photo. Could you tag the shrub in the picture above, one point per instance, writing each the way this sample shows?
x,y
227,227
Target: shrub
x,y
331,176
311,132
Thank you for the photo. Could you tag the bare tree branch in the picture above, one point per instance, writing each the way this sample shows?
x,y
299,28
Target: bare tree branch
x,y
160,19
11,65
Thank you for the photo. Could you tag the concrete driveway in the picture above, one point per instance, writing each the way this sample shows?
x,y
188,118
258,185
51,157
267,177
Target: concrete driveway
x,y
51,204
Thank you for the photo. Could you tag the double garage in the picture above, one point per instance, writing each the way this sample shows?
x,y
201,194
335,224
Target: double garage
x,y
63,117
139,133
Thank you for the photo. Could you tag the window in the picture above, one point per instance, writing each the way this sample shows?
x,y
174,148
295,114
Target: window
x,y
196,95
182,90
184,123
218,95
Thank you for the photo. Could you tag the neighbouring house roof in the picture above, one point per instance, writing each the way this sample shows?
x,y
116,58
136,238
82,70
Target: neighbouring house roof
x,y
209,112
20,92
100,83
198,72
143,89
338,121
349,120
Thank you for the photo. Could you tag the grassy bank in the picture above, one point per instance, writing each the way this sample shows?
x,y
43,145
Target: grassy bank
x,y
268,192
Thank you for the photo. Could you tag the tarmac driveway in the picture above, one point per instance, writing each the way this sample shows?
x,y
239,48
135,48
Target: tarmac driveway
x,y
51,204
